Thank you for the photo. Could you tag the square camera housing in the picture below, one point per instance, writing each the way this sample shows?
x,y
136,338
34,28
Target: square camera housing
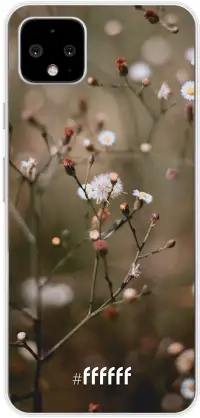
x,y
52,50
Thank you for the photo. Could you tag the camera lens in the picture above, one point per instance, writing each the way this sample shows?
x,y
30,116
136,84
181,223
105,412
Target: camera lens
x,y
69,50
36,51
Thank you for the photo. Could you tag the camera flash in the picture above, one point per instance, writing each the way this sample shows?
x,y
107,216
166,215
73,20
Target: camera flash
x,y
52,70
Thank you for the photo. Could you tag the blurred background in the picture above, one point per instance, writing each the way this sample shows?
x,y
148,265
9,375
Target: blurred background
x,y
142,332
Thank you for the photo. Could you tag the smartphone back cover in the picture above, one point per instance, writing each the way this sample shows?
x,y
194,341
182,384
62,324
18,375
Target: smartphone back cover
x,y
101,219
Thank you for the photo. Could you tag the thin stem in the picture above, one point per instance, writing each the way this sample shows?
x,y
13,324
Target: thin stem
x,y
134,233
26,346
106,276
119,224
159,250
94,277
20,221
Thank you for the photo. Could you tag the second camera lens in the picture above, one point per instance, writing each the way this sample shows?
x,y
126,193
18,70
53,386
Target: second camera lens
x,y
69,50
35,51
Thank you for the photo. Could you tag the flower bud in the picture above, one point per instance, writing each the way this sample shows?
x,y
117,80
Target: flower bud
x,y
105,214
171,243
145,290
130,295
69,166
68,134
95,222
125,209
93,407
110,312
155,217
171,174
92,81
122,67
151,16
101,247
174,30
22,337
145,82
113,178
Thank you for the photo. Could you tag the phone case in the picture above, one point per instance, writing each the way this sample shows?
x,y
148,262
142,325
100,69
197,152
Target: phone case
x,y
101,219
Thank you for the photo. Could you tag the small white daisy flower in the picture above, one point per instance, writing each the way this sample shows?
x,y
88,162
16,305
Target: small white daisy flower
x,y
187,388
187,90
101,187
143,196
88,190
29,168
135,270
164,91
107,138
94,235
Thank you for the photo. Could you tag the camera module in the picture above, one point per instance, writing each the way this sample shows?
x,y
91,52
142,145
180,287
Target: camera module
x,y
36,51
69,50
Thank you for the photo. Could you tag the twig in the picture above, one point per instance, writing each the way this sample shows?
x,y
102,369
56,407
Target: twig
x,y
14,306
26,346
106,276
86,195
94,277
16,215
159,250
134,233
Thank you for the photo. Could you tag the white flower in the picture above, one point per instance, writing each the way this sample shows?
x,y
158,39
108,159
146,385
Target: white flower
x,y
135,270
164,91
187,388
88,191
189,55
21,336
113,27
107,138
53,150
101,188
187,90
29,168
143,196
185,361
94,235
145,147
130,294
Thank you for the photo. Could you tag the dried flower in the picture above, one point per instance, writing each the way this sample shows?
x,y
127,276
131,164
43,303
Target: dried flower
x,y
122,67
171,174
101,247
92,81
93,407
185,362
68,133
102,188
105,214
113,178
187,388
164,91
55,241
88,145
22,337
147,198
29,168
69,166
110,312
155,217
94,235
171,243
187,90
107,138
175,348
135,271
145,147
151,16
88,191
189,112
145,82
125,209
130,294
